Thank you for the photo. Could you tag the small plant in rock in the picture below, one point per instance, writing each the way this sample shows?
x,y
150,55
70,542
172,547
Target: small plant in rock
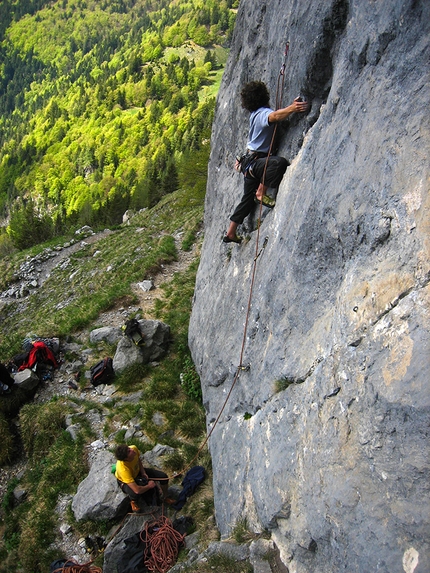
x,y
120,436
283,383
241,534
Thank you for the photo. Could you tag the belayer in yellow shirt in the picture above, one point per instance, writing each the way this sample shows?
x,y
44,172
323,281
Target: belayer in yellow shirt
x,y
139,483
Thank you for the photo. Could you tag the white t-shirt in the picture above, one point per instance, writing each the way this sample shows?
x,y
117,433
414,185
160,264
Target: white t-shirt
x,y
260,131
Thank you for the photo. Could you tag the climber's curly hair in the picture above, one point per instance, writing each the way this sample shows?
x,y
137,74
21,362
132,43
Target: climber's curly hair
x,y
254,95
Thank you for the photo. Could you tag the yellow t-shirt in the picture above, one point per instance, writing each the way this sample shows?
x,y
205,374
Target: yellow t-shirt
x,y
128,471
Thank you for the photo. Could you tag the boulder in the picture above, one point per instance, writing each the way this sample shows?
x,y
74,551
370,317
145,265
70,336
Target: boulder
x,y
146,286
331,411
232,550
258,553
156,336
127,354
109,334
99,497
155,456
19,493
26,380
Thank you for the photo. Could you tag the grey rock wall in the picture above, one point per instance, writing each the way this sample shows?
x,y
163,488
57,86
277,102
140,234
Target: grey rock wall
x,y
324,437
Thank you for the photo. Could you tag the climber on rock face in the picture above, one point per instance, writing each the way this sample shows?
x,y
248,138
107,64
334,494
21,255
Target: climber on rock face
x,y
259,177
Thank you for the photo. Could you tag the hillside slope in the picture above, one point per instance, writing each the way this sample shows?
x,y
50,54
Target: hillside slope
x,y
100,105
323,439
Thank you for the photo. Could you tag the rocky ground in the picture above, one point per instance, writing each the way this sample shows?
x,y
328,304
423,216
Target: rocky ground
x,y
63,382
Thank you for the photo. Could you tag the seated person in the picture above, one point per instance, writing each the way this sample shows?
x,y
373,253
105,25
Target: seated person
x,y
135,480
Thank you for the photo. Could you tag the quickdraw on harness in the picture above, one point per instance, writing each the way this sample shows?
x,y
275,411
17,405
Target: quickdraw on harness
x,y
244,162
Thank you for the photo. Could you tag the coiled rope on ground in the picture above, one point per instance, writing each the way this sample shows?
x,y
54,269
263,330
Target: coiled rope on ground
x,y
162,544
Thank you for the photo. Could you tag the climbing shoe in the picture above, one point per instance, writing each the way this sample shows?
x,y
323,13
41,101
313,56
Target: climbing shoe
x,y
267,201
236,239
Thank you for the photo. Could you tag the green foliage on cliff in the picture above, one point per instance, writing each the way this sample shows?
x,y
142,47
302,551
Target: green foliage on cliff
x,y
99,101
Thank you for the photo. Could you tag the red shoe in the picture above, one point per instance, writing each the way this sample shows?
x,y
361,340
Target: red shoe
x,y
134,507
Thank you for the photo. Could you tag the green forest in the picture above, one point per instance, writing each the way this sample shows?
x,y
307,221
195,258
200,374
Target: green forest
x,y
104,106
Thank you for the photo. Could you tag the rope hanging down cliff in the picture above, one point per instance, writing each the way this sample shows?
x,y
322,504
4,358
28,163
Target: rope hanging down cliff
x,y
241,367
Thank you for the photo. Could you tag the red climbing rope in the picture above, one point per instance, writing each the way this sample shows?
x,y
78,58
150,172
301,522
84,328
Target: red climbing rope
x,y
278,103
162,543
279,95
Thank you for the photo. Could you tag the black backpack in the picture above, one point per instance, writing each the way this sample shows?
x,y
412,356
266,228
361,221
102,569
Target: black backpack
x,y
133,331
102,372
132,559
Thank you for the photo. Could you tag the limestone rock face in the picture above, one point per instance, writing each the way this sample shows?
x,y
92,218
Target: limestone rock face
x,y
324,438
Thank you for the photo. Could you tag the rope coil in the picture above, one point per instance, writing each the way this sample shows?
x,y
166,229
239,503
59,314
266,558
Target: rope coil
x,y
162,544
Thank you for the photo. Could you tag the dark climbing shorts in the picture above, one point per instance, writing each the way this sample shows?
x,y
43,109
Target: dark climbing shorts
x,y
148,496
276,167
